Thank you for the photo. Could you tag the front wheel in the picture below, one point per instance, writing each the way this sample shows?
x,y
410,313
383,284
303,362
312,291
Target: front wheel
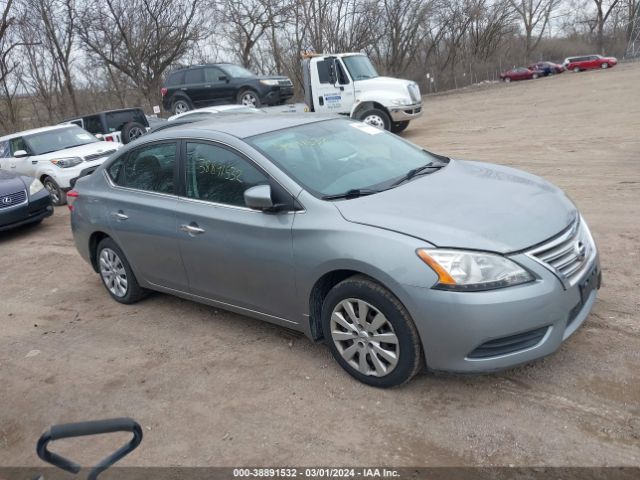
x,y
116,273
249,98
376,118
507,79
397,127
604,65
58,197
370,333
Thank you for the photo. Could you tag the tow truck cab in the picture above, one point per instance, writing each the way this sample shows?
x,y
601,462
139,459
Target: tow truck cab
x,y
348,84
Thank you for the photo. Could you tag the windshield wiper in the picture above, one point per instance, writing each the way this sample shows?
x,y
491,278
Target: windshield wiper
x,y
414,172
349,194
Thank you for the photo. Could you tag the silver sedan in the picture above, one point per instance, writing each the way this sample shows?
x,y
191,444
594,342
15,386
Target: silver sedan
x,y
395,257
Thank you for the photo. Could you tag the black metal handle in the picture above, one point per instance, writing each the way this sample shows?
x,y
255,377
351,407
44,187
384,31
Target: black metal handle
x,y
80,429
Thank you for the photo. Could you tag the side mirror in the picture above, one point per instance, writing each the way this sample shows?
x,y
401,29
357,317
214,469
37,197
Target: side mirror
x,y
258,197
20,154
223,78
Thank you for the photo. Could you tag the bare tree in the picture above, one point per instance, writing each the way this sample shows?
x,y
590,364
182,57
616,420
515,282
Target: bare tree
x,y
603,10
535,16
140,38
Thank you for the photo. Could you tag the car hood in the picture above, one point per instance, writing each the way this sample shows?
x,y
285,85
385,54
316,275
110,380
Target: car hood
x,y
83,150
10,183
470,205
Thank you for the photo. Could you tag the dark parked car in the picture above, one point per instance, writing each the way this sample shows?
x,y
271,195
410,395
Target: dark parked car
x,y
547,68
22,200
520,73
123,125
205,85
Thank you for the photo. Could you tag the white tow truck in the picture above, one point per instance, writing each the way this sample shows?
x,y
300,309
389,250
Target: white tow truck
x,y
348,84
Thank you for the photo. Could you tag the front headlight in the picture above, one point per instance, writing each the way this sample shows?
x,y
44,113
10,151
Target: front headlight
x,y
67,162
402,101
35,186
270,82
465,271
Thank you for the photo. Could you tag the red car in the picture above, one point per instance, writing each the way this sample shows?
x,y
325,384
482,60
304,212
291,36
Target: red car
x,y
547,68
589,62
520,73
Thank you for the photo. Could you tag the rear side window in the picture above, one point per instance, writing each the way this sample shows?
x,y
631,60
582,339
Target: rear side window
x,y
150,168
93,124
176,78
219,175
117,120
194,75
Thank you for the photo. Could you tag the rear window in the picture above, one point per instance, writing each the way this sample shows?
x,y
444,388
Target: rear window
x,y
116,120
93,124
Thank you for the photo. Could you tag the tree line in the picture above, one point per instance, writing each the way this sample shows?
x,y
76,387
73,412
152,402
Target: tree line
x,y
60,58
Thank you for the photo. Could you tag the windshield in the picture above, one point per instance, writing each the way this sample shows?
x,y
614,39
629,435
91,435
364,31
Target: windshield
x,y
237,71
359,67
337,156
58,139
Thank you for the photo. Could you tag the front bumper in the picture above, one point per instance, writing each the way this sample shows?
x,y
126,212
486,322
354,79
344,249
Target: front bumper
x,y
453,325
277,95
37,208
406,112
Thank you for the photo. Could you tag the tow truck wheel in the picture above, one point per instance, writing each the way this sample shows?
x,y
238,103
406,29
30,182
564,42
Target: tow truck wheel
x,y
376,118
398,127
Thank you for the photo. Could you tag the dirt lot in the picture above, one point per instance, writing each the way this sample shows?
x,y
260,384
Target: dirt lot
x,y
213,388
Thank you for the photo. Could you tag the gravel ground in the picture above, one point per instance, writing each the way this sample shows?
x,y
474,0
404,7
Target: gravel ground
x,y
214,388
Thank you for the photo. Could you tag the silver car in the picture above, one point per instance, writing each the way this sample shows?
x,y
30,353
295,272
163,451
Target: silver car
x,y
393,256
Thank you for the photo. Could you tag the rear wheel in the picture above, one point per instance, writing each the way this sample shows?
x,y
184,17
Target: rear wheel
x,y
58,197
370,333
576,69
116,273
131,131
534,76
179,106
507,79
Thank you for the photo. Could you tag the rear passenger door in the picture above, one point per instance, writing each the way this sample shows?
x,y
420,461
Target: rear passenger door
x,y
194,86
142,213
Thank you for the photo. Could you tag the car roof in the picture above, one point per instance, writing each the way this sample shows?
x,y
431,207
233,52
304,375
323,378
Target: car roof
x,y
33,130
243,125
216,109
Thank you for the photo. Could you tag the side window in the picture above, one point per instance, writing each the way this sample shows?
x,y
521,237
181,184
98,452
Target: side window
x,y
93,124
213,74
194,76
17,144
323,71
219,175
149,168
343,78
176,78
5,151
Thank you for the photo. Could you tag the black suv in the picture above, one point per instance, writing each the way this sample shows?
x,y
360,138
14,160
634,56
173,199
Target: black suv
x,y
124,125
205,85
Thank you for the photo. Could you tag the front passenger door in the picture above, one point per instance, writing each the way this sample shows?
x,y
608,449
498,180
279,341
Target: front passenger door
x,y
233,254
218,87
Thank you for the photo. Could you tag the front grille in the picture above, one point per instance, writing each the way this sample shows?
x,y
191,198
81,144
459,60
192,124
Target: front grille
x,y
95,156
568,254
511,344
13,199
414,92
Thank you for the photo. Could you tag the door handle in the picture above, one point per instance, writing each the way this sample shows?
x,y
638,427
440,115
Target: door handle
x,y
192,229
119,216
34,162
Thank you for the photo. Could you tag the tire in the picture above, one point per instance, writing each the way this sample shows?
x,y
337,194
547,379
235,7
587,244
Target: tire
x,y
507,79
132,130
604,65
534,76
58,197
376,118
576,69
339,327
113,268
398,127
180,105
249,98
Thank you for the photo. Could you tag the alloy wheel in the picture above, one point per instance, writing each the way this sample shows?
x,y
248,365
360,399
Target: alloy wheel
x,y
135,132
113,273
249,99
53,191
180,107
364,337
